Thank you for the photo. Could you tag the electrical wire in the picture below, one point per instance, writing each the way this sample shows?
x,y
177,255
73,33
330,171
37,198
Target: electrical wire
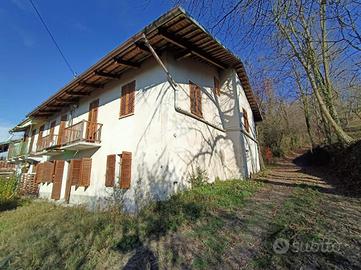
x,y
53,39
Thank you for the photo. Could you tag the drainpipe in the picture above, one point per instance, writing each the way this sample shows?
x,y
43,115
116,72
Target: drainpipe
x,y
175,85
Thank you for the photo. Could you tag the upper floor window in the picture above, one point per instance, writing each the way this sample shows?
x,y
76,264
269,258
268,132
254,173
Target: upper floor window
x,y
245,120
217,87
127,99
195,99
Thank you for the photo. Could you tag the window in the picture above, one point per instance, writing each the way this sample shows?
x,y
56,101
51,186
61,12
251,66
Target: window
x,y
195,95
127,99
245,120
110,171
217,87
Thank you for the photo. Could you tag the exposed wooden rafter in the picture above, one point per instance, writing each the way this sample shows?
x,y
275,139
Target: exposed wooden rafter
x,y
183,55
185,45
78,94
107,75
92,85
126,63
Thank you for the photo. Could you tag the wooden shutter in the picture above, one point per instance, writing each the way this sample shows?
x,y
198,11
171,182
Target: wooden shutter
x,y
75,171
40,135
195,95
38,173
51,133
86,166
126,170
127,99
58,177
48,172
62,129
92,121
110,171
245,118
217,87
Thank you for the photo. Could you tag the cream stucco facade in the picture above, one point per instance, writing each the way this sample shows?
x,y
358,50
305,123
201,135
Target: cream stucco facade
x,y
166,144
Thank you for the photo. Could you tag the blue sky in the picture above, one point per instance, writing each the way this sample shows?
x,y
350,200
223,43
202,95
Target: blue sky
x,y
31,68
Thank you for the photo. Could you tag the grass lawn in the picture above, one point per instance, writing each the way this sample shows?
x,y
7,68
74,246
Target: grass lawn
x,y
40,235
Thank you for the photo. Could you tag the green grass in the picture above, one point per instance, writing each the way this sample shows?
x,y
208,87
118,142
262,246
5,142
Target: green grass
x,y
39,235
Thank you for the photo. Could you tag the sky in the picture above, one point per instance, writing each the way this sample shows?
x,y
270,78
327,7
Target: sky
x,y
31,68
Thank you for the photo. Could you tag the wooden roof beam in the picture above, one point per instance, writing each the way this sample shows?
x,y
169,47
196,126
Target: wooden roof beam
x,y
185,54
66,101
185,45
92,85
126,63
107,75
78,94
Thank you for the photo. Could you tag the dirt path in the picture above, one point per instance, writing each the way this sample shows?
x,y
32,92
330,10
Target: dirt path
x,y
251,231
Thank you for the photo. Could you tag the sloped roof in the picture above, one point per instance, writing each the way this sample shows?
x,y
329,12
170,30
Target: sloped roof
x,y
175,30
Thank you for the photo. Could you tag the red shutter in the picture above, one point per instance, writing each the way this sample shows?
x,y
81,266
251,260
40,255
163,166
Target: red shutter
x,y
75,166
126,170
58,177
86,166
110,171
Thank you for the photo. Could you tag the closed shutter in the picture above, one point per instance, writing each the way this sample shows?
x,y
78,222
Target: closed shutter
x,y
58,177
126,170
217,87
110,171
195,95
245,118
127,99
39,172
86,166
40,136
48,171
75,171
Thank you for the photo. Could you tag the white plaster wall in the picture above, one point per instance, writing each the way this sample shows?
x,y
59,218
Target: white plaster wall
x,y
166,146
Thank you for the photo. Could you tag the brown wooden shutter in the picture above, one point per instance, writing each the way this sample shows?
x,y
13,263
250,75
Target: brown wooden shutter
x,y
48,172
217,87
39,172
86,166
75,171
126,170
62,129
40,135
51,133
195,95
58,177
127,99
92,121
110,171
245,118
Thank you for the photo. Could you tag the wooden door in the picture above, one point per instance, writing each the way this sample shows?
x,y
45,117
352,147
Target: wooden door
x,y
62,129
91,131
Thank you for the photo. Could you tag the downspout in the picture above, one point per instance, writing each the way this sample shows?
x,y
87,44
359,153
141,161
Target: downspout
x,y
175,85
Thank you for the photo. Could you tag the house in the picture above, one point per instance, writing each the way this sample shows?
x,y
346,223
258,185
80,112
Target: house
x,y
168,100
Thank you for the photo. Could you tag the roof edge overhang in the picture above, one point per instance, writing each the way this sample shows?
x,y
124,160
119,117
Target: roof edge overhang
x,y
121,55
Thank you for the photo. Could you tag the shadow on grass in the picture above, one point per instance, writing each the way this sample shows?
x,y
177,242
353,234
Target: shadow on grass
x,y
10,204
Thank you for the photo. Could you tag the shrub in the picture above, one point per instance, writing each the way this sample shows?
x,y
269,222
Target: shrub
x,y
8,192
198,177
